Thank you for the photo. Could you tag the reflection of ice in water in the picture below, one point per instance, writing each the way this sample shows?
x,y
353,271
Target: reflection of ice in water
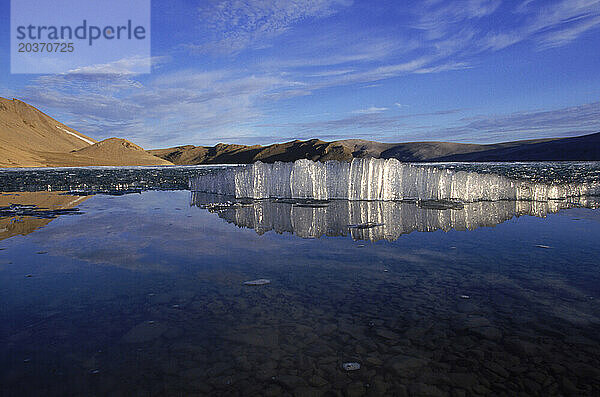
x,y
376,179
391,218
365,193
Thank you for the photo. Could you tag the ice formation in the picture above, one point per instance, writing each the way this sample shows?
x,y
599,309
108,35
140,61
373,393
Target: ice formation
x,y
386,220
375,179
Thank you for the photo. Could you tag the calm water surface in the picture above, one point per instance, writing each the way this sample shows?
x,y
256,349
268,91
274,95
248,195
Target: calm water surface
x,y
143,294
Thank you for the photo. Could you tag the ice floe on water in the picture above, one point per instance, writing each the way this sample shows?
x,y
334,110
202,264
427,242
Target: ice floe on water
x,y
351,366
378,179
18,210
258,282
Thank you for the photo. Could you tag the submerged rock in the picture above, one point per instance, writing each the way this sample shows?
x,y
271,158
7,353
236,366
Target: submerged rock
x,y
263,337
387,334
145,332
291,381
402,363
491,333
355,389
260,281
421,389
317,381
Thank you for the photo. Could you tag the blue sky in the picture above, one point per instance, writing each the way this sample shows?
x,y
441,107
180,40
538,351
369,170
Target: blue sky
x,y
259,72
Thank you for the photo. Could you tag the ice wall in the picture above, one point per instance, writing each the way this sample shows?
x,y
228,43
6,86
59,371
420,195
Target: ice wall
x,y
375,179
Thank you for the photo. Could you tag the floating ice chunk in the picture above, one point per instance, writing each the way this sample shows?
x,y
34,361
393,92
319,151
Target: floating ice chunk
x,y
260,281
441,204
351,366
366,225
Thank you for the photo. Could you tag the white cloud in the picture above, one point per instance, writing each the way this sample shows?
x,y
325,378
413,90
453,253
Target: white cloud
x,y
196,106
129,65
444,36
238,24
460,29
191,106
491,128
370,110
331,73
438,19
568,121
371,124
548,24
568,33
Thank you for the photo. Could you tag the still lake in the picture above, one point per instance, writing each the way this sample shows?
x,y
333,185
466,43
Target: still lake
x,y
104,293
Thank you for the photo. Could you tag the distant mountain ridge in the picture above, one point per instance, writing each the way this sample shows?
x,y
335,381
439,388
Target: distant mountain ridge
x,y
30,138
581,148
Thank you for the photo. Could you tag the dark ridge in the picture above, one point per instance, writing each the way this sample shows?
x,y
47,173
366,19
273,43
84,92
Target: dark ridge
x,y
581,148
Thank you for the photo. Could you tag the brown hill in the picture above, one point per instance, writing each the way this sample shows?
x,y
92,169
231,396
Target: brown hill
x,y
30,138
111,151
585,147
313,149
26,133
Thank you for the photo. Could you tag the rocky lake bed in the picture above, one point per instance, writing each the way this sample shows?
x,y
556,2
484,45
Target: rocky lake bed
x,y
159,293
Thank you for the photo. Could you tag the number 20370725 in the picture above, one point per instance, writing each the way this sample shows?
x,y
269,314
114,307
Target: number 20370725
x,y
46,47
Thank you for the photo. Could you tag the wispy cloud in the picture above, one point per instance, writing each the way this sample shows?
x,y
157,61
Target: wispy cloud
x,y
235,25
568,121
370,110
442,19
442,36
188,105
568,33
457,32
331,73
372,121
122,66
195,104
547,24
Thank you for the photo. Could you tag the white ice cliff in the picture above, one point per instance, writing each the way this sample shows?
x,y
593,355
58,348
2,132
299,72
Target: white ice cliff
x,y
375,179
